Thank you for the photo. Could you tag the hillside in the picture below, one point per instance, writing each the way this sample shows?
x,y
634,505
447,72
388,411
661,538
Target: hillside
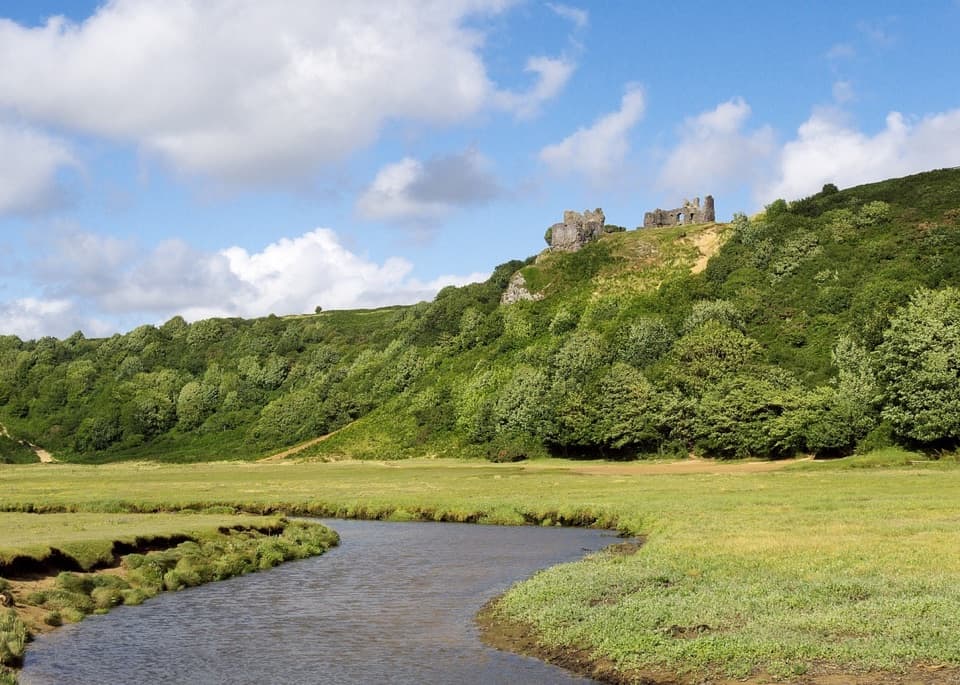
x,y
822,324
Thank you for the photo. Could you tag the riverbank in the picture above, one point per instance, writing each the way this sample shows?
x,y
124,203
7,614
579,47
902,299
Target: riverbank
x,y
812,570
58,568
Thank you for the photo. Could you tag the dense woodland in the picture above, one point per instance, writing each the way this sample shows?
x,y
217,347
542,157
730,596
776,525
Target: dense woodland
x,y
824,325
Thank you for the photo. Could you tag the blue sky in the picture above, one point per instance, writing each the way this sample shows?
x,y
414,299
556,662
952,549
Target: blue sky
x,y
237,158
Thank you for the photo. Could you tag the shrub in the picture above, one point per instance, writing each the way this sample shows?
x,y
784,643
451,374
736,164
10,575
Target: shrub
x,y
721,311
644,341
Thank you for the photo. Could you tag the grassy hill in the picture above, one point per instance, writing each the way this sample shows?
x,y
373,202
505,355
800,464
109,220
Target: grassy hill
x,y
820,325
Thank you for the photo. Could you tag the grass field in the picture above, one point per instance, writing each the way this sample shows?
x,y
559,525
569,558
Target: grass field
x,y
812,568
89,538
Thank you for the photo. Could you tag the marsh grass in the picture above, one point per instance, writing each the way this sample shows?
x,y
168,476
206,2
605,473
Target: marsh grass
x,y
13,639
91,539
236,546
779,571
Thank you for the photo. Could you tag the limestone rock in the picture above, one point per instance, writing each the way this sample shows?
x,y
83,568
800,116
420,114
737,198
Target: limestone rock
x,y
517,291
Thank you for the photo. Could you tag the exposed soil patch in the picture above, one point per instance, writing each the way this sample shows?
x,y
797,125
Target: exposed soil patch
x,y
680,467
625,549
708,244
521,638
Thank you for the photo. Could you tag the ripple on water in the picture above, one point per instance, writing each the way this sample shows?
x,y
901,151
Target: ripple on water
x,y
394,603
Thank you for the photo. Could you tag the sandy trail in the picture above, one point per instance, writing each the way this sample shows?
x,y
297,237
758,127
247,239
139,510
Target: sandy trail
x,y
44,456
708,243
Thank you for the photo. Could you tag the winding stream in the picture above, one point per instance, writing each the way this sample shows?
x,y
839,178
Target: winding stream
x,y
394,603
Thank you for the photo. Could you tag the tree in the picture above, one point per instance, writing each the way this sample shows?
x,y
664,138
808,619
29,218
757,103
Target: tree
x,y
707,354
742,416
918,364
628,409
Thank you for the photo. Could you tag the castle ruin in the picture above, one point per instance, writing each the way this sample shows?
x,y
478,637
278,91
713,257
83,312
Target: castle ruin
x,y
689,213
576,230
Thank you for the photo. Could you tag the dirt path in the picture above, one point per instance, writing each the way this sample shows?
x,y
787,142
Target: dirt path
x,y
280,456
44,456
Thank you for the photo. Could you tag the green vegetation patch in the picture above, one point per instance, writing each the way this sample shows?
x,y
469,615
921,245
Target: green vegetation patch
x,y
88,540
780,571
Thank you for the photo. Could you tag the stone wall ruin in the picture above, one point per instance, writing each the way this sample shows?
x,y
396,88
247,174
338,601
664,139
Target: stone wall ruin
x,y
576,230
689,213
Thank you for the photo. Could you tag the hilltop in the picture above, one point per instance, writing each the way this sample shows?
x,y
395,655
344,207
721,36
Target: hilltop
x,y
797,330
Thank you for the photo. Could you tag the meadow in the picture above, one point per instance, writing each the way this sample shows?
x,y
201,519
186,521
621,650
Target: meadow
x,y
798,570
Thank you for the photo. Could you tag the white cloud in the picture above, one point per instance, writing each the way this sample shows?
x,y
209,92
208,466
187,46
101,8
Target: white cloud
x,y
841,51
415,191
579,17
292,275
29,163
828,150
253,91
715,153
598,151
843,92
30,318
552,76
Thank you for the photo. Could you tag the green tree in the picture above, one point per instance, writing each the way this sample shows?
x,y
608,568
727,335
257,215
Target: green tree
x,y
918,364
644,341
628,409
707,354
742,416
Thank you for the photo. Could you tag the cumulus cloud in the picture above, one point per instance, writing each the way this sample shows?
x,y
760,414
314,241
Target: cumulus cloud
x,y
598,151
415,191
30,318
715,152
579,17
254,91
29,165
828,150
292,275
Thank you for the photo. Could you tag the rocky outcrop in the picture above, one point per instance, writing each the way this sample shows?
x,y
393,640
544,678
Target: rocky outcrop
x,y
517,291
576,230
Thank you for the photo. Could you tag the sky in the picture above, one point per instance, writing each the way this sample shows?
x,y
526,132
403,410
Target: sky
x,y
240,158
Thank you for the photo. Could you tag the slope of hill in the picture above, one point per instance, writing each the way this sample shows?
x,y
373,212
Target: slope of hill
x,y
820,325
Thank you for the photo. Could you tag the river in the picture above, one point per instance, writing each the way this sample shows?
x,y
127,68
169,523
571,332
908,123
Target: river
x,y
394,603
